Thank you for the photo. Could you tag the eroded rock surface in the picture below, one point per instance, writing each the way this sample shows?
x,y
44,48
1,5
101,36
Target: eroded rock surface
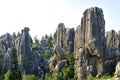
x,y
89,43
58,60
65,38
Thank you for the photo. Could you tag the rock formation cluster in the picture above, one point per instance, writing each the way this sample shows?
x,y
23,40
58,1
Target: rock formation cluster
x,y
95,51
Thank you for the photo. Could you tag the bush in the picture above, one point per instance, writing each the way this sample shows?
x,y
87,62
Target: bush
x,y
1,77
30,77
12,75
68,69
34,47
8,75
46,55
48,76
55,76
90,77
67,72
103,77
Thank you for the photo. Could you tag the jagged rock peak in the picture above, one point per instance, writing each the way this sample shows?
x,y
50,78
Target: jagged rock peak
x,y
112,39
93,9
64,37
89,43
61,25
26,29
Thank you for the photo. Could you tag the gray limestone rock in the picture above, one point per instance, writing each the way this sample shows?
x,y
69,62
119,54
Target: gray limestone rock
x,y
59,53
5,42
117,70
119,39
55,62
112,39
25,57
112,53
89,43
7,61
65,38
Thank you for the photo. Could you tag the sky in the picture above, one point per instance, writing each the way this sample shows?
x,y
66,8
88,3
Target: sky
x,y
43,16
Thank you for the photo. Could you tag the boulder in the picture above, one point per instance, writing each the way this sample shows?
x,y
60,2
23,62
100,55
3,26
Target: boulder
x,y
59,53
89,43
60,65
57,61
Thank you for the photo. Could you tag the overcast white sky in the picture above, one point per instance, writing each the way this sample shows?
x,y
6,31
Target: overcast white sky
x,y
43,16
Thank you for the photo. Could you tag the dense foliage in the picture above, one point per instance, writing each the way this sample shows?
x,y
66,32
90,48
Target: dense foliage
x,y
46,55
12,75
67,72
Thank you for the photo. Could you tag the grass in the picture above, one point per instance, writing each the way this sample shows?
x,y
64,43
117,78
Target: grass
x,y
104,77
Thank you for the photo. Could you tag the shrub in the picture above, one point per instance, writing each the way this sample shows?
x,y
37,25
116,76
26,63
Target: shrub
x,y
90,77
12,75
55,76
30,77
67,72
8,75
46,55
34,47
1,77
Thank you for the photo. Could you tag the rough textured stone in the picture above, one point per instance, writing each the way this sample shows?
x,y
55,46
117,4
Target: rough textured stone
x,y
7,62
119,39
117,70
112,39
112,53
56,63
64,37
59,53
5,42
89,43
25,58
60,65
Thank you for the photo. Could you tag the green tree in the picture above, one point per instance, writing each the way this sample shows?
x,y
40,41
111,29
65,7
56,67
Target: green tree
x,y
49,41
46,36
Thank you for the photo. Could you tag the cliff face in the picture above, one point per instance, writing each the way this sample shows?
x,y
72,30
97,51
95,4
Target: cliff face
x,y
64,37
89,43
